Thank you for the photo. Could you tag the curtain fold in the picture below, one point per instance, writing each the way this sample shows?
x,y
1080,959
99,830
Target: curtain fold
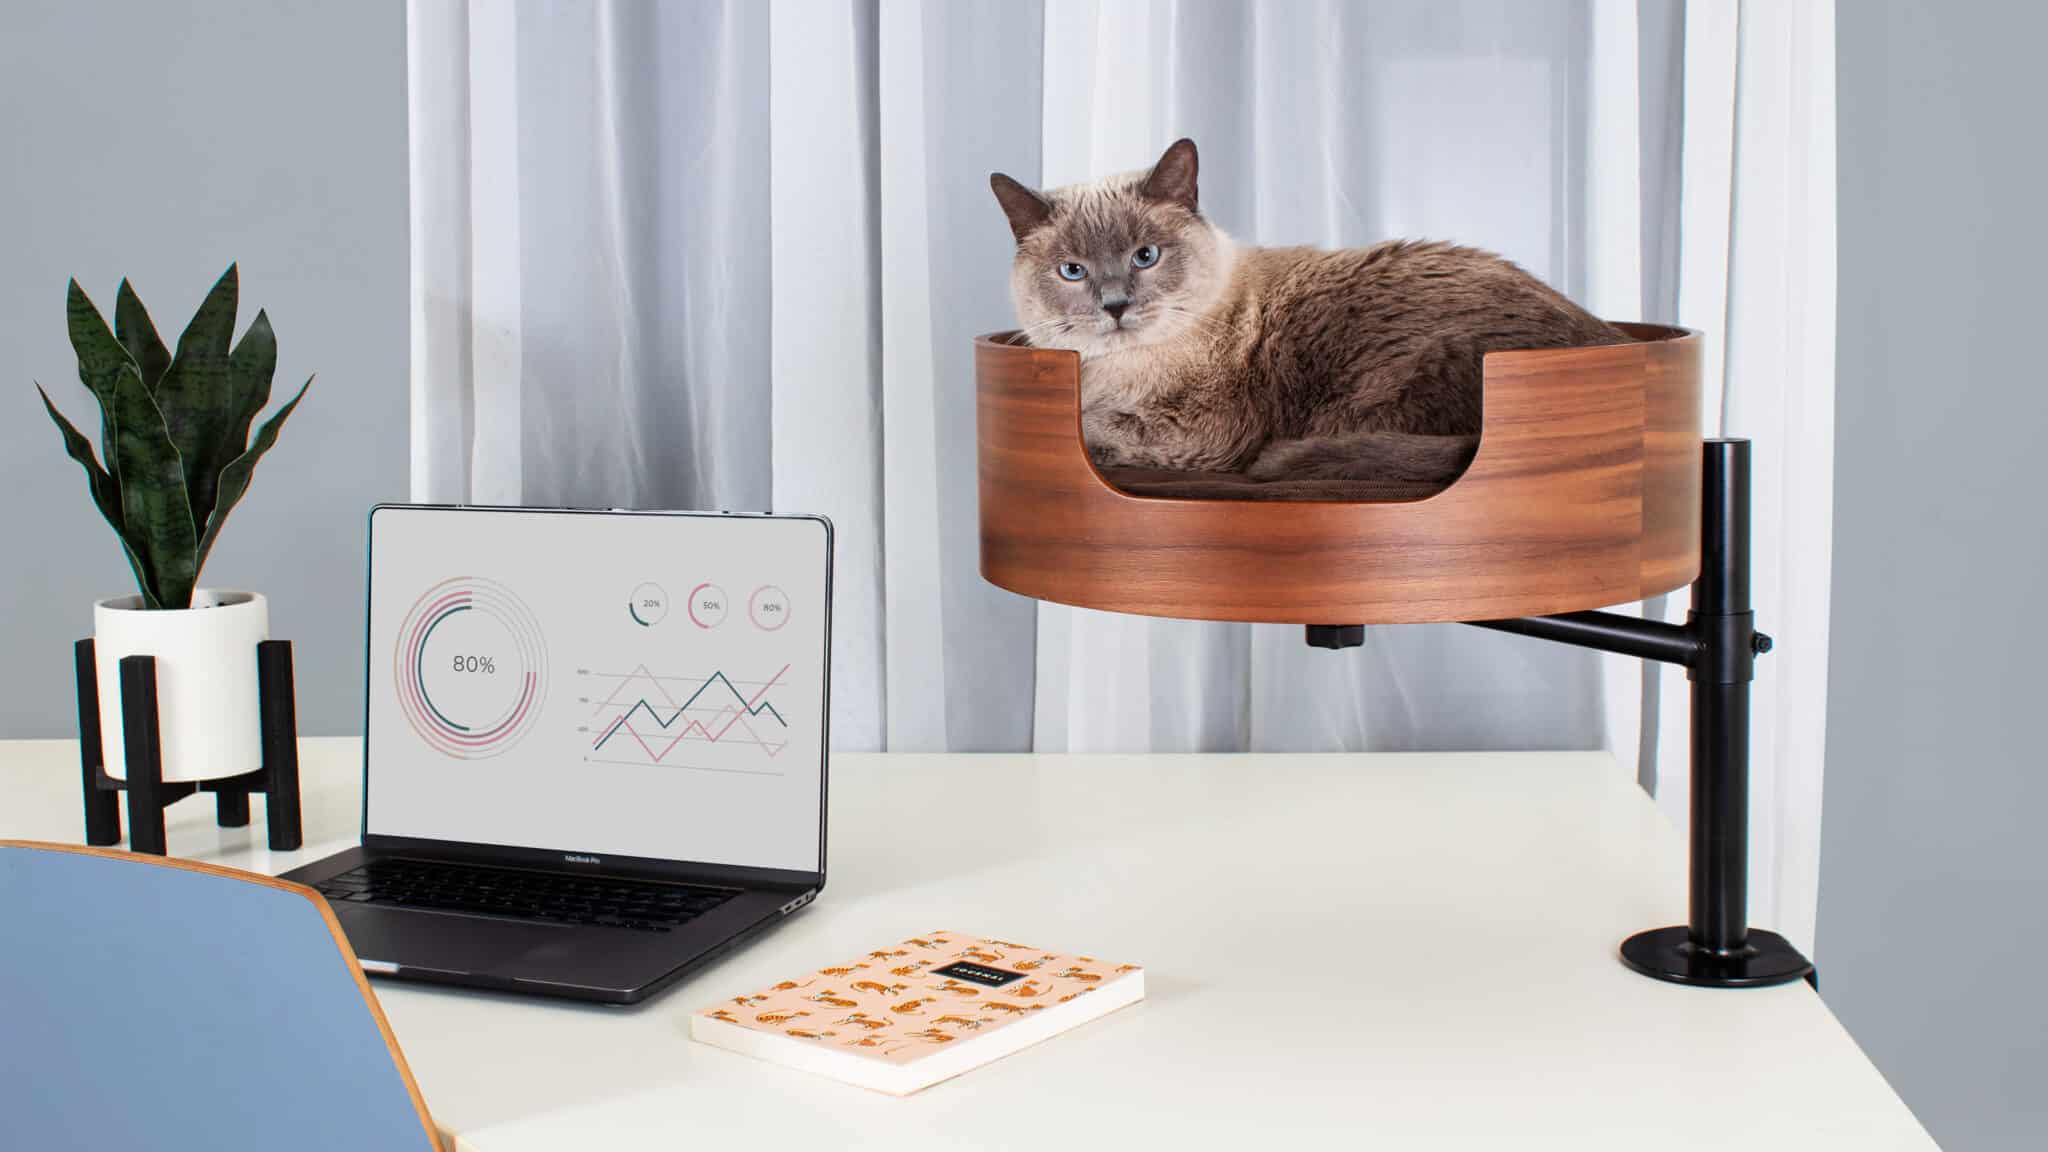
x,y
1344,124
824,208
732,255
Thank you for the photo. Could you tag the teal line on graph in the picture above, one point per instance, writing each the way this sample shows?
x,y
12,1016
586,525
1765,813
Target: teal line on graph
x,y
642,705
419,673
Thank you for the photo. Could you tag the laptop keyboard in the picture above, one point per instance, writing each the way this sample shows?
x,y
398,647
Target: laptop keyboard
x,y
441,886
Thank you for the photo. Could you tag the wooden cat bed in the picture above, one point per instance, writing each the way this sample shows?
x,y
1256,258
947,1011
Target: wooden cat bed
x,y
1590,487
1585,492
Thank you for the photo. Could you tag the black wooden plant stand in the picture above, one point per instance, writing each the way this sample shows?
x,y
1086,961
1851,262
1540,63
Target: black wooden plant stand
x,y
1718,645
149,793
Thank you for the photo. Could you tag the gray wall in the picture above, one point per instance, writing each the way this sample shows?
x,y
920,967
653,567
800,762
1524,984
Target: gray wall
x,y
160,141
1934,854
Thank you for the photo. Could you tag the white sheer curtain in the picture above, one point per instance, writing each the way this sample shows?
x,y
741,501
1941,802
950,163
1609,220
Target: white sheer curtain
x,y
732,254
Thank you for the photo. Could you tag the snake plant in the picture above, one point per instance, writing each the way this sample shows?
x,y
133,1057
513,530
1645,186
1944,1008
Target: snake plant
x,y
175,450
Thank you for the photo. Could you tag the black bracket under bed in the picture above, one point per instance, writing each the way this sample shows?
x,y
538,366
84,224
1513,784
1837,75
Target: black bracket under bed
x,y
1718,646
142,753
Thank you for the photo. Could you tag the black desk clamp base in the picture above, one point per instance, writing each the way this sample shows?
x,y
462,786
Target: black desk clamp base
x,y
142,755
1718,645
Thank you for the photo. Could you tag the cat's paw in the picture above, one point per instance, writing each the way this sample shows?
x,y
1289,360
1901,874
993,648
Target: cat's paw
x,y
1105,456
1110,438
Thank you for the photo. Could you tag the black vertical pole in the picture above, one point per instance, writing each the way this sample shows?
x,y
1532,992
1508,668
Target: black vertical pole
x,y
142,748
279,710
1722,615
102,807
1717,948
231,808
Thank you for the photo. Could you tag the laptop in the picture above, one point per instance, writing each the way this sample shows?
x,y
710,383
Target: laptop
x,y
594,754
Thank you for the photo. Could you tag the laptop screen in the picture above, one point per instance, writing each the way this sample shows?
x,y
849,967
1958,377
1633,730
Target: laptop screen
x,y
603,683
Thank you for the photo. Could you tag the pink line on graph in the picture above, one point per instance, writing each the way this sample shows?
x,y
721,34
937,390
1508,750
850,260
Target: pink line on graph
x,y
737,717
637,671
741,720
765,688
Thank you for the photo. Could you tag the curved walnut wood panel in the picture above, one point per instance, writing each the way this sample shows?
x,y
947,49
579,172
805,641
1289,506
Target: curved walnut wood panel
x,y
1585,493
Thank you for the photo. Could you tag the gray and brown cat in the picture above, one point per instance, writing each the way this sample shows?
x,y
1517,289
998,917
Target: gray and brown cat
x,y
1199,354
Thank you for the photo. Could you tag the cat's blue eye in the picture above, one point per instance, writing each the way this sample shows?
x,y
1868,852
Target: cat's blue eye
x,y
1072,271
1145,257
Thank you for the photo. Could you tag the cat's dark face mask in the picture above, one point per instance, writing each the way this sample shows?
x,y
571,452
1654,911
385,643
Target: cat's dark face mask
x,y
1123,263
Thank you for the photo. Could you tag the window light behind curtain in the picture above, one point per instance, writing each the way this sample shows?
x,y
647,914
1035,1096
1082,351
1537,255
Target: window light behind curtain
x,y
731,255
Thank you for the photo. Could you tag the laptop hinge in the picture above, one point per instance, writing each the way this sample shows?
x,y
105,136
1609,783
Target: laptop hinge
x,y
539,860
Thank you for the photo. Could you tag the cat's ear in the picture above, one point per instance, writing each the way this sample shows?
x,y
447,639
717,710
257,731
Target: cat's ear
x,y
1173,178
1027,210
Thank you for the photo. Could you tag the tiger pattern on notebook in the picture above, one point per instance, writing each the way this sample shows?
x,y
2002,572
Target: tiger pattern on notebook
x,y
898,1012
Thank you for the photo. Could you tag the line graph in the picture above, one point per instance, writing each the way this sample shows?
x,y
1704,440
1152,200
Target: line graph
x,y
642,710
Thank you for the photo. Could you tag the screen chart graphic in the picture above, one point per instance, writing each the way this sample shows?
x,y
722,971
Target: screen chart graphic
x,y
647,605
617,684
470,667
640,718
707,605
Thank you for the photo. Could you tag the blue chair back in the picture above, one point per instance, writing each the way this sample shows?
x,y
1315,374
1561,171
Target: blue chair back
x,y
153,1003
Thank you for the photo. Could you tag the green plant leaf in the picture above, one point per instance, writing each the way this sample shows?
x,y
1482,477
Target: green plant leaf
x,y
251,366
197,395
155,510
138,335
100,358
234,479
106,494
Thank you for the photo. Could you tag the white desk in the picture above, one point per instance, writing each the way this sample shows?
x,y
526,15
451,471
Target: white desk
x,y
1460,911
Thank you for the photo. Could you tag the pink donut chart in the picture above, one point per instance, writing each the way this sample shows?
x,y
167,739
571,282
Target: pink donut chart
x,y
768,607
707,605
470,667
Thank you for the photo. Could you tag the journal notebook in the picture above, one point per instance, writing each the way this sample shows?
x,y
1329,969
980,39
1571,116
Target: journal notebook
x,y
905,1017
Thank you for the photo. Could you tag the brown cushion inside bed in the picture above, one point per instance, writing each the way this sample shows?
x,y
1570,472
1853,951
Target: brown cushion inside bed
x,y
1238,486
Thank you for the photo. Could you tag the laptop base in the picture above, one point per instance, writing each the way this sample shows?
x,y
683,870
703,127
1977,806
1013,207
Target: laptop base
x,y
582,962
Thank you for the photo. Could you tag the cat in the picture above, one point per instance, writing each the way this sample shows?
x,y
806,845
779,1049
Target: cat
x,y
1198,354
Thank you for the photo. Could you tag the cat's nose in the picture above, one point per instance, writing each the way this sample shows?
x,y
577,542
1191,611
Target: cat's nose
x,y
1115,305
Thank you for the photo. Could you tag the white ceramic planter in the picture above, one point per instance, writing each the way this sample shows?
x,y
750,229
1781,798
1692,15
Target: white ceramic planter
x,y
206,686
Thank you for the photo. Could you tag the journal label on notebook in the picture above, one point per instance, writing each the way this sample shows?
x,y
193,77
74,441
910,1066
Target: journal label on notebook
x,y
978,974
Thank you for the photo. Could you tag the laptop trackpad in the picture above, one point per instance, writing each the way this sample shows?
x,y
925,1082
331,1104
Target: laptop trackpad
x,y
441,941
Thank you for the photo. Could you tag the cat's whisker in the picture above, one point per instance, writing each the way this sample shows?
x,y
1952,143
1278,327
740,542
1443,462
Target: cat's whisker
x,y
1205,323
1058,325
